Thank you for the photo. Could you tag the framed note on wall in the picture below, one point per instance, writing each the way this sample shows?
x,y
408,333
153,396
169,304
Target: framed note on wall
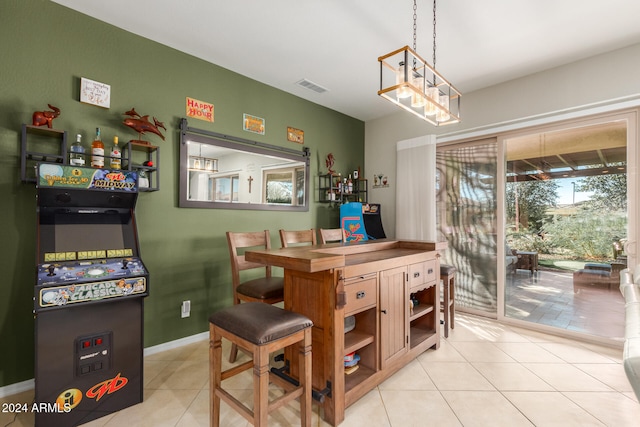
x,y
95,93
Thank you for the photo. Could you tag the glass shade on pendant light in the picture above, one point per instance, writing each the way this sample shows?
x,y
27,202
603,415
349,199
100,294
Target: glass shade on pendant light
x,y
442,115
211,165
417,100
403,91
430,109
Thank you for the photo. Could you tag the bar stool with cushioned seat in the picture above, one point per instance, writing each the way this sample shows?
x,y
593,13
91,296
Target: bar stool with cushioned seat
x,y
297,237
267,289
448,274
261,329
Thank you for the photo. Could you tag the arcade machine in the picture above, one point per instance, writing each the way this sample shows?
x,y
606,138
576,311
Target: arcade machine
x,y
89,292
373,221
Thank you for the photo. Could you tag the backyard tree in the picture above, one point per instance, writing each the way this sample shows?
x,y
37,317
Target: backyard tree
x,y
528,201
609,191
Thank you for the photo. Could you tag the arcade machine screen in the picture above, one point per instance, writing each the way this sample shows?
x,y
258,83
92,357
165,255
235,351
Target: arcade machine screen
x,y
88,298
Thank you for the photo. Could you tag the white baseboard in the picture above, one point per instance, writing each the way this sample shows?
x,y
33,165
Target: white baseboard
x,y
16,388
27,385
176,343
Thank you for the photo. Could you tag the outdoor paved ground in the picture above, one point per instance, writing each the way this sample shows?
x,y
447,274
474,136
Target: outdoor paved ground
x,y
547,297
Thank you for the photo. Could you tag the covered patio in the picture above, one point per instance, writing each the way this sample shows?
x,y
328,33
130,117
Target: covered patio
x,y
547,297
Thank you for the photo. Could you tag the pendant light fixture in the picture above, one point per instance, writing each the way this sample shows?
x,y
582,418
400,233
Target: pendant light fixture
x,y
411,83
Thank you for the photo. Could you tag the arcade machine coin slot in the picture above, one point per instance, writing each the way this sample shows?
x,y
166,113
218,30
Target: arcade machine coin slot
x,y
93,353
89,294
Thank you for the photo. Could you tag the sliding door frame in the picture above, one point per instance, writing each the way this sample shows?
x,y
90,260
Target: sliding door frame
x,y
503,133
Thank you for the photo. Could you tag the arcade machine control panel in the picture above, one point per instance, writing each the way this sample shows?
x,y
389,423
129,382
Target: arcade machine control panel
x,y
71,282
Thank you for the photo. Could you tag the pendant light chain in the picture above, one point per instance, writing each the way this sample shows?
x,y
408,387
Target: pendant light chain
x,y
415,27
434,34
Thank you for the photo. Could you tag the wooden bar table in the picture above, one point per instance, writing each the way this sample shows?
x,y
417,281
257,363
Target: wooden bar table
x,y
392,290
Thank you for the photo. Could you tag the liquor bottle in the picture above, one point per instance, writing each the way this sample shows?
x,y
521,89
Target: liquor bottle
x,y
349,185
115,156
76,156
97,151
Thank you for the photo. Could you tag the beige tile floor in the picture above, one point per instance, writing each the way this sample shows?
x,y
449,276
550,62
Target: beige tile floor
x,y
484,374
548,298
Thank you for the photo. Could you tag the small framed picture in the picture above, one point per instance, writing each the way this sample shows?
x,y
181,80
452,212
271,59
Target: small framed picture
x,y
295,135
253,124
95,93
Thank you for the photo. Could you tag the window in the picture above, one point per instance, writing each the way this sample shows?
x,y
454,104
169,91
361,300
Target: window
x,y
226,188
284,185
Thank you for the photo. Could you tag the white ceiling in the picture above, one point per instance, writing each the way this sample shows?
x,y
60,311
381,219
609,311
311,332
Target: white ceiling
x,y
336,43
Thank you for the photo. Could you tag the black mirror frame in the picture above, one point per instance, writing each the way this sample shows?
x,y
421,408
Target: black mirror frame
x,y
188,134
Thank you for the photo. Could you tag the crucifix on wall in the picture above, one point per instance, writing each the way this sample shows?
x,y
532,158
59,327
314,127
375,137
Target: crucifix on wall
x,y
250,179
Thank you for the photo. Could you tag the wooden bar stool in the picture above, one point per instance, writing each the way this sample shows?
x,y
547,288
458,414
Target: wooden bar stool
x,y
261,329
448,275
296,237
267,289
329,235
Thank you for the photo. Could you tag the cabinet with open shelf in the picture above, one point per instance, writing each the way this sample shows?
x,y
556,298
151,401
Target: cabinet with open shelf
x,y
362,341
361,298
424,290
423,321
371,282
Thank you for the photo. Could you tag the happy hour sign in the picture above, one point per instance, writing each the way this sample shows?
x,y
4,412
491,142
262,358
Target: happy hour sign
x,y
199,109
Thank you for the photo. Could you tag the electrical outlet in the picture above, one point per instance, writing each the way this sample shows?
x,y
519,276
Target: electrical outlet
x,y
186,309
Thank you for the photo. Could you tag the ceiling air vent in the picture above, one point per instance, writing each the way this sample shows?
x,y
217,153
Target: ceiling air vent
x,y
307,84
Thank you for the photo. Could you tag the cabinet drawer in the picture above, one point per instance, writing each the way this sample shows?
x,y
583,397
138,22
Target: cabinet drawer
x,y
421,273
361,295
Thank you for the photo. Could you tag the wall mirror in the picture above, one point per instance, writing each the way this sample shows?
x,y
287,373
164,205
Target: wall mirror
x,y
222,172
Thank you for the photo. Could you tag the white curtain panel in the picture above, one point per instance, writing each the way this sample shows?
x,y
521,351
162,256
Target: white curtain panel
x,y
416,189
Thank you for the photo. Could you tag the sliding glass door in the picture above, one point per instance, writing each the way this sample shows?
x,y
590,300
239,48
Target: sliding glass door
x,y
567,226
466,205
539,223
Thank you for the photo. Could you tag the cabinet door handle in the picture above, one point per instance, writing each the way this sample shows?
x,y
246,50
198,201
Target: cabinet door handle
x,y
383,311
430,271
360,294
416,275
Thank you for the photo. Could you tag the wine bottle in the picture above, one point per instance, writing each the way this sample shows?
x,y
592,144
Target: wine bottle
x,y
97,151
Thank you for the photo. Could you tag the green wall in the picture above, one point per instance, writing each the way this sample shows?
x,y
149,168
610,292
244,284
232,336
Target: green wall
x,y
45,50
